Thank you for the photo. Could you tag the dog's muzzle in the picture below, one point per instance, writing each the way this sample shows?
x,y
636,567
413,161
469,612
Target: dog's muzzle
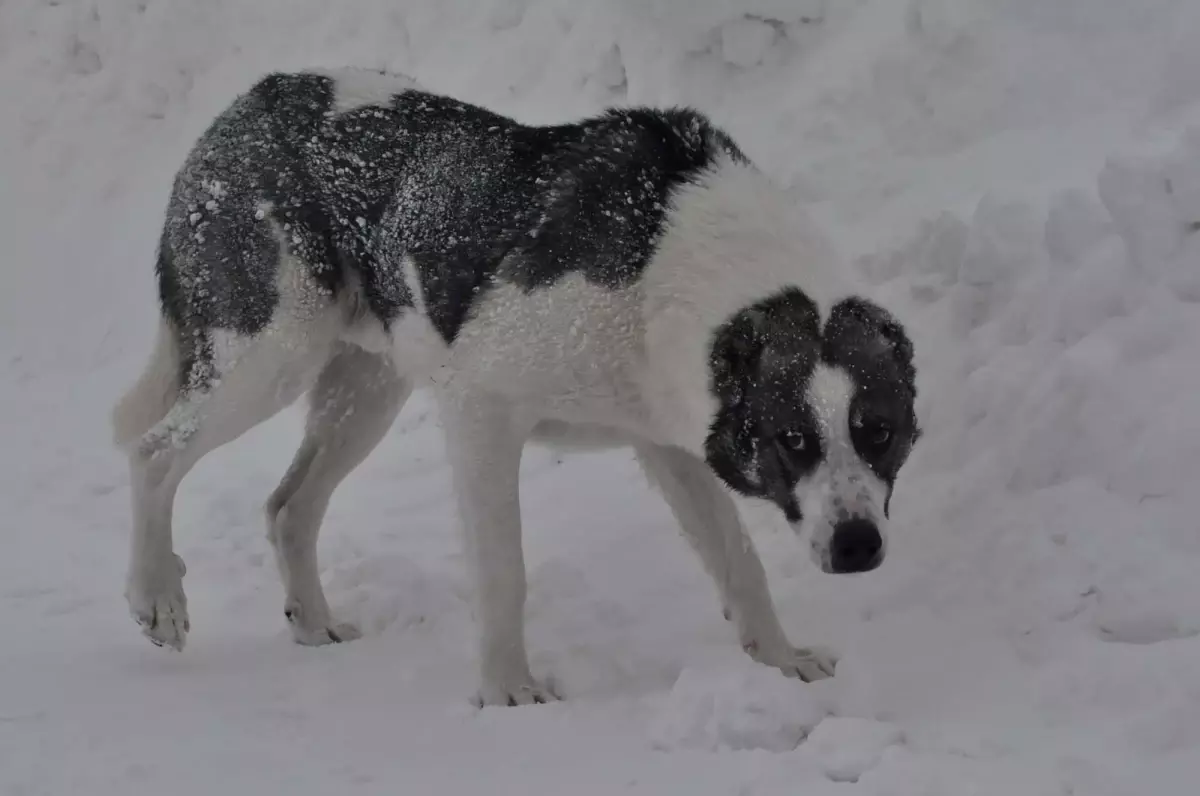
x,y
856,546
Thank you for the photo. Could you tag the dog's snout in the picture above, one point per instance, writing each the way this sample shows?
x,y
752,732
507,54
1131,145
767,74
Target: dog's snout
x,y
856,546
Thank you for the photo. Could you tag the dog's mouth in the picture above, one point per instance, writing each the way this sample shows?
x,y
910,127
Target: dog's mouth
x,y
827,567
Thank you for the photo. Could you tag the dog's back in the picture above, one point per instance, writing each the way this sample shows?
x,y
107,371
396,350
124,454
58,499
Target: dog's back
x,y
352,186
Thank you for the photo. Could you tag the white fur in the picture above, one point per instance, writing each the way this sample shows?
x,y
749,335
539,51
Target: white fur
x,y
732,240
710,522
356,88
573,361
571,352
258,377
357,396
154,392
843,486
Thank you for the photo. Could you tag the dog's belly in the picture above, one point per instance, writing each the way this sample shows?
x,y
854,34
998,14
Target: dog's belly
x,y
566,436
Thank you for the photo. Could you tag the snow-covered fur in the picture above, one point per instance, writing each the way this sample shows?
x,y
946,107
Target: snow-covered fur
x,y
630,279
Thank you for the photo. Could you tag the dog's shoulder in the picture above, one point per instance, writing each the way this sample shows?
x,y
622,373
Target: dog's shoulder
x,y
611,182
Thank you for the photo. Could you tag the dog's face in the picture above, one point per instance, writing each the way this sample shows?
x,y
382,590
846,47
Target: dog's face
x,y
817,420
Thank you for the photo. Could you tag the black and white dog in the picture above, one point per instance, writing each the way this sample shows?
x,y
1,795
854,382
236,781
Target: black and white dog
x,y
631,279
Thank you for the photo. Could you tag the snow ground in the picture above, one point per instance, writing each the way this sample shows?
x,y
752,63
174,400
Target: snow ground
x,y
1021,180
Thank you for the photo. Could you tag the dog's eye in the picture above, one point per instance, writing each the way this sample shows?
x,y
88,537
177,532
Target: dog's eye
x,y
872,434
879,435
875,435
794,441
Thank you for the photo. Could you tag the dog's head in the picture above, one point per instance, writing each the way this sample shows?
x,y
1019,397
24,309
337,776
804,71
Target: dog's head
x,y
817,418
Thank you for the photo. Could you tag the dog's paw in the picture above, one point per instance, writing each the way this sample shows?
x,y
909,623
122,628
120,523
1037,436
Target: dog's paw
x,y
526,691
159,606
806,663
333,633
319,630
811,664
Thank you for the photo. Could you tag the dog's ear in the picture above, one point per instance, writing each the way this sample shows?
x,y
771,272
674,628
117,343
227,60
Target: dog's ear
x,y
859,330
902,349
731,447
737,353
774,339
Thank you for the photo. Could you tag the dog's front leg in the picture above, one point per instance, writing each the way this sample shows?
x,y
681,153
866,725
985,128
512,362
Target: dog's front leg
x,y
484,440
709,519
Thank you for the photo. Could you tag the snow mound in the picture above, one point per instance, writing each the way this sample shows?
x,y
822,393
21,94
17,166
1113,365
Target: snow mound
x,y
1051,354
736,707
847,747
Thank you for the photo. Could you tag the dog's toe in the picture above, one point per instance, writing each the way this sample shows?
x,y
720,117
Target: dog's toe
x,y
806,663
343,631
318,631
812,663
158,604
526,693
163,620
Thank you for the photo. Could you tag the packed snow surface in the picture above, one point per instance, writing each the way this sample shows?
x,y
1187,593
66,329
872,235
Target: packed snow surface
x,y
1019,179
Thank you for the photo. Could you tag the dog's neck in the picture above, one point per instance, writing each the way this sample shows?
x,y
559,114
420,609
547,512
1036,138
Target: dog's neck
x,y
731,240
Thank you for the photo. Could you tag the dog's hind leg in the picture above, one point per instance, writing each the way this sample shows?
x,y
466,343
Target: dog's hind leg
x,y
354,402
709,519
224,396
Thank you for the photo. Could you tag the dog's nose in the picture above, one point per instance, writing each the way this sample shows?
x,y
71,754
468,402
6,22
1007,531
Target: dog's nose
x,y
856,546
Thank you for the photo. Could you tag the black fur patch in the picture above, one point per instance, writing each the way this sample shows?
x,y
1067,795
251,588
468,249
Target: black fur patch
x,y
220,258
609,188
868,343
764,438
485,199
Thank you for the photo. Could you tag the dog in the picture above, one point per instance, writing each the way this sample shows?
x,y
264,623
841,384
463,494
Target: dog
x,y
630,279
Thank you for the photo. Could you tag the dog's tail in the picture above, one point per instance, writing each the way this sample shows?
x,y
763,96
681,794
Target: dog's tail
x,y
152,395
